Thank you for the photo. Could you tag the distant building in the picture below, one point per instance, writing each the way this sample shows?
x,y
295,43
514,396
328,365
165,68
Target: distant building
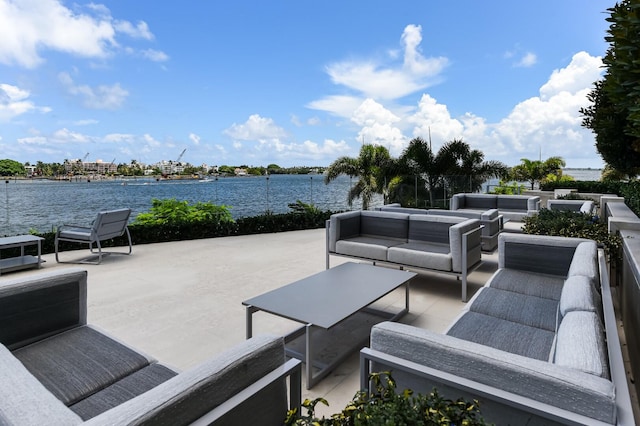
x,y
98,167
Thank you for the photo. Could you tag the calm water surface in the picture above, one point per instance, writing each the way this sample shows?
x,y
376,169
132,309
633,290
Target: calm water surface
x,y
43,204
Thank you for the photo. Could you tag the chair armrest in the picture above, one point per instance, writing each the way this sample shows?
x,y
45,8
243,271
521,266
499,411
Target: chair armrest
x,y
37,306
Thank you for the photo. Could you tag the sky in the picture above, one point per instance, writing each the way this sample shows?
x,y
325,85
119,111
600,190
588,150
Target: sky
x,y
296,83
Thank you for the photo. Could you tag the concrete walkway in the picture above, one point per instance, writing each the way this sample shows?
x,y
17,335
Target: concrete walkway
x,y
181,302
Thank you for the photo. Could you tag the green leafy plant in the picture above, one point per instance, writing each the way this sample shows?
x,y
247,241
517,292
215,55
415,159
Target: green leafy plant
x,y
574,224
174,212
300,207
508,188
384,406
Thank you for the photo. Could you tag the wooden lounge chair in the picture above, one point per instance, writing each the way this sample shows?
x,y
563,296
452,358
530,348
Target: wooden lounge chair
x,y
108,225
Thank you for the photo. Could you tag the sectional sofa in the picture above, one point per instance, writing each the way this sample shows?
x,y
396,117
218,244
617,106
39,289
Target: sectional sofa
x,y
512,207
57,369
537,345
491,220
582,206
448,245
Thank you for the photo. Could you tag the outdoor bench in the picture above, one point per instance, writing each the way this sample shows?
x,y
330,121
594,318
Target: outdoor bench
x,y
537,345
448,245
57,369
511,207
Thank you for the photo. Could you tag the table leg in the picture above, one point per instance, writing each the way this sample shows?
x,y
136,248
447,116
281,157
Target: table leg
x,y
309,362
249,315
39,255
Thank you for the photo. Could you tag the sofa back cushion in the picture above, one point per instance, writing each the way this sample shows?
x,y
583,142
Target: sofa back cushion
x,y
384,224
578,294
585,262
32,308
580,344
342,226
480,201
431,228
512,202
24,400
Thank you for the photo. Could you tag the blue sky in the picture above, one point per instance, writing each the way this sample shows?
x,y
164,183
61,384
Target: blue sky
x,y
296,82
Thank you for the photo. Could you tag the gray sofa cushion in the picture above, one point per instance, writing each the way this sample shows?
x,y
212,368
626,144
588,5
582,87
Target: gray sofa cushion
x,y
430,228
520,308
512,202
384,224
24,400
578,294
480,201
581,344
193,393
366,247
342,226
123,390
422,255
585,262
540,285
79,362
507,336
540,380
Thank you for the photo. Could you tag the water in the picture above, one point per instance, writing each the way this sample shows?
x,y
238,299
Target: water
x,y
43,205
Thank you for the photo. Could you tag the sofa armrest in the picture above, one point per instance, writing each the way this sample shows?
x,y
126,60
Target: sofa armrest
x,y
533,205
533,379
37,306
463,235
194,393
457,202
542,254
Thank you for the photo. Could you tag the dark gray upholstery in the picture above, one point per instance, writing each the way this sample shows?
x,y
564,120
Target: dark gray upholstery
x,y
516,307
386,225
539,285
505,335
477,201
79,362
123,390
429,230
553,260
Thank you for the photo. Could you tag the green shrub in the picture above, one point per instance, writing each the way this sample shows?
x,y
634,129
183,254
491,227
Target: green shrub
x,y
173,212
574,224
386,407
508,188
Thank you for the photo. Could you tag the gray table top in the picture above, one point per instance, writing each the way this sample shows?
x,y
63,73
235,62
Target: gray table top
x,y
330,296
18,239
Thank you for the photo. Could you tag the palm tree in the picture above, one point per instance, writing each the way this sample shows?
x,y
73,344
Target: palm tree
x,y
453,160
470,165
533,171
372,168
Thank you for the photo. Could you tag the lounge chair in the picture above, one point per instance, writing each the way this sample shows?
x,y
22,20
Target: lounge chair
x,y
108,225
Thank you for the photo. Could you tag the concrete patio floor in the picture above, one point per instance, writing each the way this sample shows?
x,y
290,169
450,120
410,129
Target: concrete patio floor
x,y
181,302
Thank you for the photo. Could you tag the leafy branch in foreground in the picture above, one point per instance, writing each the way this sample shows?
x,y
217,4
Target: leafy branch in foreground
x,y
386,407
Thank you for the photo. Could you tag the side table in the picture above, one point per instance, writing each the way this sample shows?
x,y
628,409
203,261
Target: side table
x,y
23,261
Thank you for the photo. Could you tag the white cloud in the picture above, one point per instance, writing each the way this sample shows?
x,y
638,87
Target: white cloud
x,y
342,106
380,81
141,30
194,138
528,60
99,97
86,122
155,55
119,138
581,73
30,27
15,101
256,128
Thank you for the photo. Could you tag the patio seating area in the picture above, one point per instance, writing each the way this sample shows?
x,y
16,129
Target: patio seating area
x,y
182,301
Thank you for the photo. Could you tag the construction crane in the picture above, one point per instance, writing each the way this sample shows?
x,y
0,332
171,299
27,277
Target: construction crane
x,y
180,156
85,157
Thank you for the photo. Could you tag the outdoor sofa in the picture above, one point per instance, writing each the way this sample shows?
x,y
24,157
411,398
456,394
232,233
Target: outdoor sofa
x,y
582,206
449,245
56,369
537,345
490,220
511,207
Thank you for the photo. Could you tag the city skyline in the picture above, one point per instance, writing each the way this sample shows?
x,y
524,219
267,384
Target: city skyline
x,y
296,84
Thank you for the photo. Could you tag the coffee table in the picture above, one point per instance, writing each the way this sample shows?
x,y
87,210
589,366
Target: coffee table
x,y
334,306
